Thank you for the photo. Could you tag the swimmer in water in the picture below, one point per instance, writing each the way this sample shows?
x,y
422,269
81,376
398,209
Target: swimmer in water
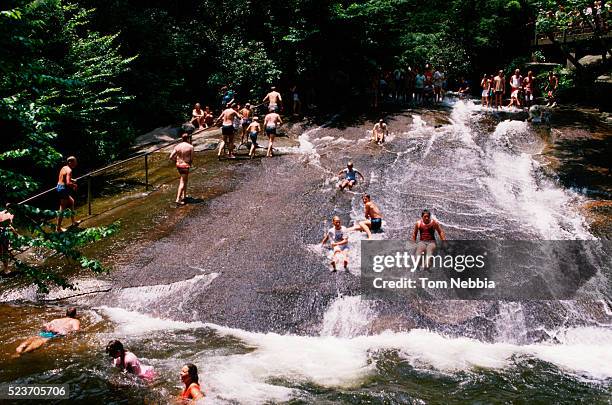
x,y
189,377
338,239
426,228
56,328
127,361
350,177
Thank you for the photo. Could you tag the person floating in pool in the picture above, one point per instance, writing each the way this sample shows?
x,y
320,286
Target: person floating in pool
x,y
338,240
350,177
127,361
373,215
56,328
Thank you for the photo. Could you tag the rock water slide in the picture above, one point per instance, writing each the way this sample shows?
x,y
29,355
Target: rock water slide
x,y
240,286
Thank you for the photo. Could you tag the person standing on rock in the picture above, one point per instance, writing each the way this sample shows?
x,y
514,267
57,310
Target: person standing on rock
x,y
499,85
426,228
271,123
551,88
253,130
350,177
182,155
227,130
66,186
6,226
379,132
338,239
274,100
373,215
528,85
245,120
516,84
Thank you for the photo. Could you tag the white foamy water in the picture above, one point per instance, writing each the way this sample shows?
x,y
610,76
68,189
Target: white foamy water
x,y
519,187
332,361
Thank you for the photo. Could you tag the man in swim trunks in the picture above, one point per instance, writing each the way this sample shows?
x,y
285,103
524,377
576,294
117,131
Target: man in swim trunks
x,y
227,130
373,222
274,100
338,240
64,187
6,226
182,155
56,328
189,377
271,123
245,121
426,228
350,177
197,116
499,86
551,87
253,130
379,132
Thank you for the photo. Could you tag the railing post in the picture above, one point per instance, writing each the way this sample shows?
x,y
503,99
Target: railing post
x,y
89,195
146,171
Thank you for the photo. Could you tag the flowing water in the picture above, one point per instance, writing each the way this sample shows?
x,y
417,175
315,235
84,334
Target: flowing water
x,y
483,177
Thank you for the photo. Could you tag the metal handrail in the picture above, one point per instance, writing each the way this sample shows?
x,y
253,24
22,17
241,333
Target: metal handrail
x,y
96,171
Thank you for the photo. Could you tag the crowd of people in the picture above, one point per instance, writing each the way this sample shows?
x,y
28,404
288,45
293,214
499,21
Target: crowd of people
x,y
428,86
522,89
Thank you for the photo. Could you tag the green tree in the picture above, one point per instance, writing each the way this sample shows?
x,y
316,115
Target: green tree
x,y
57,76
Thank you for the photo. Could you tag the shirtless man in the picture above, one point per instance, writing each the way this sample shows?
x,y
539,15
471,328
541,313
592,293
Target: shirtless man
x,y
426,228
64,186
271,123
182,155
227,129
338,240
253,130
6,226
245,121
56,328
373,216
499,86
274,99
551,87
350,177
379,132
197,116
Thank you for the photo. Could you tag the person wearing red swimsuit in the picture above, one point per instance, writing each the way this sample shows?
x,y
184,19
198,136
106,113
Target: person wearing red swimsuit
x,y
426,229
189,377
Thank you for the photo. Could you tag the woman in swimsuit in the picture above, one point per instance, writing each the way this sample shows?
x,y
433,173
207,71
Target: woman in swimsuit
x,y
127,361
189,377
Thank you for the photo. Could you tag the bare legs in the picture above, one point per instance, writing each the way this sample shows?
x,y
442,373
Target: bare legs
x,y
65,203
31,344
181,194
270,144
363,226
